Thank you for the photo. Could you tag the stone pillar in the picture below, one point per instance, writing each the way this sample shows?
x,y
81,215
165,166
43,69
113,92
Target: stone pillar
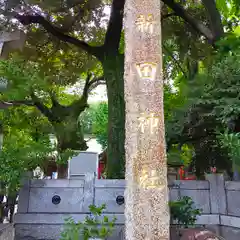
x,y
10,41
218,202
146,211
23,199
89,182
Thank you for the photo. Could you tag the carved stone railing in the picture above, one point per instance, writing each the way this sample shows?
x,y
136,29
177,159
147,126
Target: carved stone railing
x,y
40,216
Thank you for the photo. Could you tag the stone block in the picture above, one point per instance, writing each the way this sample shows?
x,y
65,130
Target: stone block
x,y
6,232
58,218
232,186
173,194
208,219
230,221
217,193
199,197
85,162
191,184
58,183
108,196
23,201
109,183
118,233
233,200
37,232
40,200
230,233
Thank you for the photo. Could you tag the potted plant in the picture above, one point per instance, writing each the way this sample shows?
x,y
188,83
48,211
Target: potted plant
x,y
94,227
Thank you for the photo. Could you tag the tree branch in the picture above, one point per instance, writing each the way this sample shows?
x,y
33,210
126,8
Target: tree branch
x,y
86,86
175,61
55,31
100,81
91,83
7,104
54,100
42,108
195,24
114,30
214,18
79,105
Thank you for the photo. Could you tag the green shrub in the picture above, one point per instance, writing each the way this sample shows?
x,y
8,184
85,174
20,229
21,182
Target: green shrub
x,y
183,212
94,226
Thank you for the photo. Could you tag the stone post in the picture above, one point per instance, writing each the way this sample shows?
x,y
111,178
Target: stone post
x,y
89,182
146,208
23,199
218,202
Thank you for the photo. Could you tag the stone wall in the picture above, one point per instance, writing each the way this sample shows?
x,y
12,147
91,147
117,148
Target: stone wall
x,y
6,232
39,218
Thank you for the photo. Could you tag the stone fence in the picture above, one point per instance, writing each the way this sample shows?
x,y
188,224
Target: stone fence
x,y
6,232
40,217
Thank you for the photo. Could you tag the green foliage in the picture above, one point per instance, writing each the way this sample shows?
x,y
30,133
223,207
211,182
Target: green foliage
x,y
231,141
65,155
25,77
221,89
183,212
100,124
211,102
23,148
189,119
94,226
95,121
182,156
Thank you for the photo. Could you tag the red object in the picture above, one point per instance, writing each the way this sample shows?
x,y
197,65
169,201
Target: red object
x,y
190,178
181,173
102,163
101,167
213,169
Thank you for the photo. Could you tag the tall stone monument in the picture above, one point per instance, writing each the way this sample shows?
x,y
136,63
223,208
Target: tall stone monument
x,y
146,211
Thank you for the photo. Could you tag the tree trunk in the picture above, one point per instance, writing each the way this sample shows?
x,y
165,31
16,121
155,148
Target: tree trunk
x,y
69,136
113,72
146,211
62,170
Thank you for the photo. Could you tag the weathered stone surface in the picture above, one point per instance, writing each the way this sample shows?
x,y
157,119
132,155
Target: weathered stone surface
x,y
230,233
39,218
85,162
233,199
6,232
218,202
52,232
37,232
230,221
199,197
108,196
57,183
58,218
192,185
41,200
